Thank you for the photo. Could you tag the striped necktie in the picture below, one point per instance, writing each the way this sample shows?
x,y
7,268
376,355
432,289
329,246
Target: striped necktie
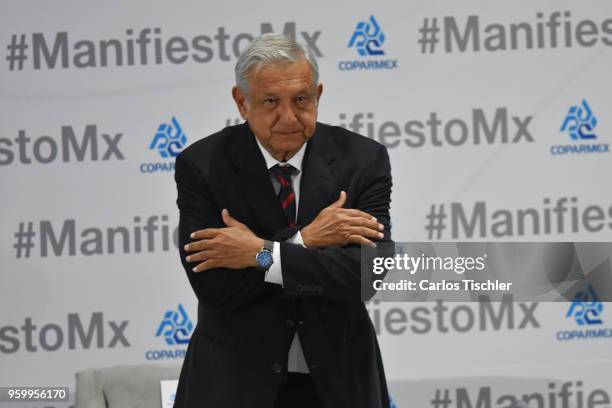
x,y
286,195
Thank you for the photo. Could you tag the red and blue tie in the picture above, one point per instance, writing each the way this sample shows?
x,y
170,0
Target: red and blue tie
x,y
286,195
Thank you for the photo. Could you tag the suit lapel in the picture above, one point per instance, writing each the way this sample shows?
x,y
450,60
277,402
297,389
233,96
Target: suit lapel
x,y
319,172
254,180
316,185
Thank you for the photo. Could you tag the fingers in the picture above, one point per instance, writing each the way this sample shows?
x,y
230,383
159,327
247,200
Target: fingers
x,y
205,233
358,239
228,219
206,265
366,232
341,200
199,245
202,255
361,228
366,222
358,213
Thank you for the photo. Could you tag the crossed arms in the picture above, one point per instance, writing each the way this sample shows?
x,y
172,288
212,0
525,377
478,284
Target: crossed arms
x,y
218,251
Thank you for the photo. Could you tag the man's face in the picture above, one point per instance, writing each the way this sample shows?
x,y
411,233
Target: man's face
x,y
281,107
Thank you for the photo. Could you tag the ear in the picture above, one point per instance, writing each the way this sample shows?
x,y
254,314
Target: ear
x,y
319,92
241,102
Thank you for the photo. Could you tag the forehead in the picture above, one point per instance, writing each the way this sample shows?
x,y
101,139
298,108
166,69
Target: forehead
x,y
282,76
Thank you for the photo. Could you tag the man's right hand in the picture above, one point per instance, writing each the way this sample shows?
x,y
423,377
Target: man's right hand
x,y
335,226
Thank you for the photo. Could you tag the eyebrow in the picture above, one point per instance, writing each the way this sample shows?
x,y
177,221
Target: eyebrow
x,y
304,90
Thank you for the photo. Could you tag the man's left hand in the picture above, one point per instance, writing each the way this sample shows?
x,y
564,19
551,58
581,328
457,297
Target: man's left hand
x,y
232,247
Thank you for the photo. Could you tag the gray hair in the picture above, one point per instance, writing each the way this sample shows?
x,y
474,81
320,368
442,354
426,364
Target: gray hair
x,y
272,49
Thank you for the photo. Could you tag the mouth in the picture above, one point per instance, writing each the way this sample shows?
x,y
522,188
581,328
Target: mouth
x,y
288,135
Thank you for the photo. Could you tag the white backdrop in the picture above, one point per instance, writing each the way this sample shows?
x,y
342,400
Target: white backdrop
x,y
472,119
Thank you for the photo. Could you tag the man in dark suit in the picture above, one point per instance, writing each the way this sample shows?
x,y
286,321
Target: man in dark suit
x,y
273,213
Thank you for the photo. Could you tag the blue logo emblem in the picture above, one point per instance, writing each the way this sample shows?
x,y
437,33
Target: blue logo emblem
x,y
169,139
586,308
368,38
175,327
580,122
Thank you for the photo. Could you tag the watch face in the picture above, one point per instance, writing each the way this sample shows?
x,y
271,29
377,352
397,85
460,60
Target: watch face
x,y
264,259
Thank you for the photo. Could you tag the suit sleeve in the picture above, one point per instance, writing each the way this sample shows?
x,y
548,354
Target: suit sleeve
x,y
335,273
217,288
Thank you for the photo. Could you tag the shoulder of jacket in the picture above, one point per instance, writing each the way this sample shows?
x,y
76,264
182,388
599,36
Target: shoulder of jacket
x,y
348,139
205,146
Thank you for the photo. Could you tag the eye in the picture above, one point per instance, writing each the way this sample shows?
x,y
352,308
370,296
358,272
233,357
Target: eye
x,y
301,100
269,102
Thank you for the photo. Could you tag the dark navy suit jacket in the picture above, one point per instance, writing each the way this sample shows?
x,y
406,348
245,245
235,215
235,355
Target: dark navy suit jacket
x,y
237,356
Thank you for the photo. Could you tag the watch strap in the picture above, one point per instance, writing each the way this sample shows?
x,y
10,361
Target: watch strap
x,y
268,245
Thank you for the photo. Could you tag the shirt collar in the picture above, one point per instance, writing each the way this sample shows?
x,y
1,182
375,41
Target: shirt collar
x,y
295,161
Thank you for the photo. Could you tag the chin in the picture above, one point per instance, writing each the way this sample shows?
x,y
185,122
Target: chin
x,y
290,146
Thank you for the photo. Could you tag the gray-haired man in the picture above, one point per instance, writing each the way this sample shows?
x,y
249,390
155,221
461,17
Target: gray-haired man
x,y
272,216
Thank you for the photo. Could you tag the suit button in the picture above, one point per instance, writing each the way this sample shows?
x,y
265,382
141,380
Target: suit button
x,y
277,368
301,322
289,323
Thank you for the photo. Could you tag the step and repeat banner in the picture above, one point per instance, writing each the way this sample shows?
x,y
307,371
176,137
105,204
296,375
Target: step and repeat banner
x,y
496,116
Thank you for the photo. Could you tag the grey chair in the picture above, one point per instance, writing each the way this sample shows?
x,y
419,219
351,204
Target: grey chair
x,y
123,386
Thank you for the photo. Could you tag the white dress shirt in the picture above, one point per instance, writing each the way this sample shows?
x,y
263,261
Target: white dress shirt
x,y
296,361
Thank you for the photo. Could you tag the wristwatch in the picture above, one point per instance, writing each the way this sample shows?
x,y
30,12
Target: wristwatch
x,y
264,258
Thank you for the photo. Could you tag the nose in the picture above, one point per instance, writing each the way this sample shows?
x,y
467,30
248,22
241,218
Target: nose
x,y
287,116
